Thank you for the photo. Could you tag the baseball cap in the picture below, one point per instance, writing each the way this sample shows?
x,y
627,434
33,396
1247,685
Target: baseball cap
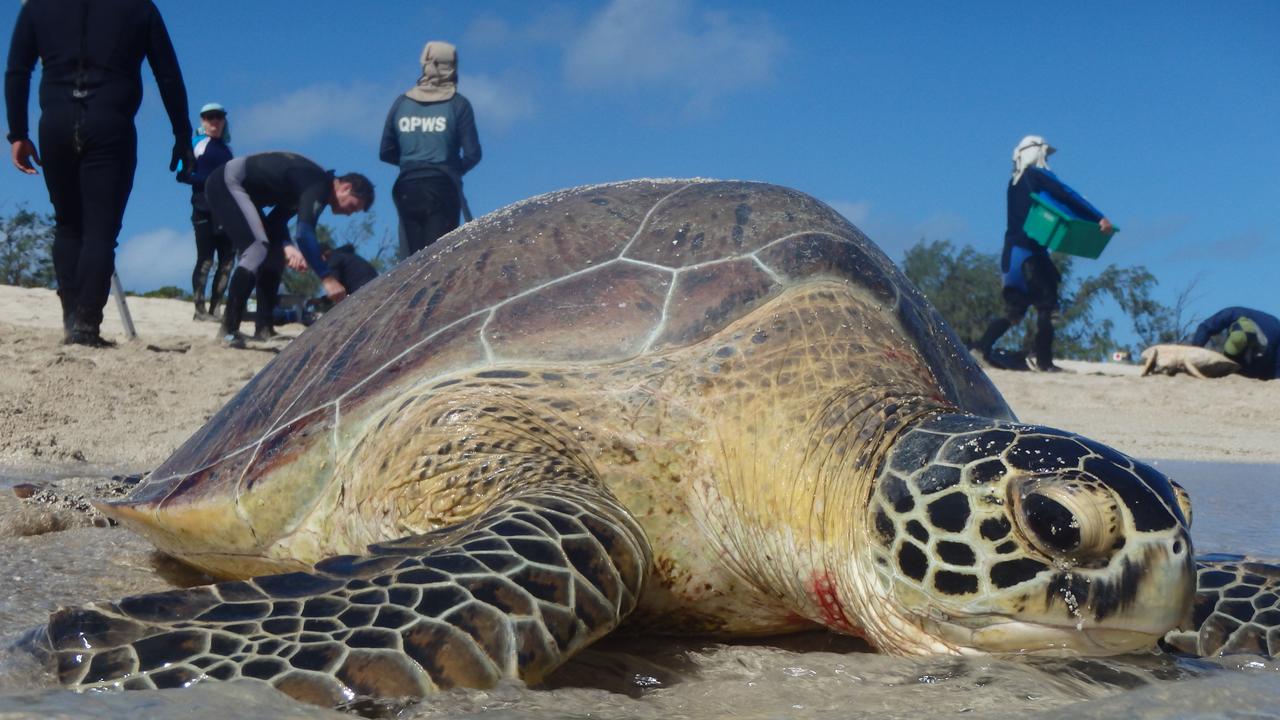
x,y
213,107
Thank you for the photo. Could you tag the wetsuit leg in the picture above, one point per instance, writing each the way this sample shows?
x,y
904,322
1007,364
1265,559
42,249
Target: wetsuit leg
x,y
1042,281
226,255
61,164
89,178
243,222
202,224
428,209
1016,303
268,288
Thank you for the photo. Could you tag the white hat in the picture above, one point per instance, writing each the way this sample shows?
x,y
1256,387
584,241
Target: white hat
x,y
1031,150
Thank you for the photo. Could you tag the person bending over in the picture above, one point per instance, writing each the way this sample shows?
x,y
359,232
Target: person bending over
x,y
1252,339
239,193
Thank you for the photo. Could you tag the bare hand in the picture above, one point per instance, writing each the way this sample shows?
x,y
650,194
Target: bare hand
x,y
334,289
293,256
24,152
1105,226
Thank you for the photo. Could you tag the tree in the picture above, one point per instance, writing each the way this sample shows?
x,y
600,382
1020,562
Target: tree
x,y
170,292
26,249
963,284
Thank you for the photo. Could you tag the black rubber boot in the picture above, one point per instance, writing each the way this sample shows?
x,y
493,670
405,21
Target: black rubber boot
x,y
995,330
242,282
1044,342
87,334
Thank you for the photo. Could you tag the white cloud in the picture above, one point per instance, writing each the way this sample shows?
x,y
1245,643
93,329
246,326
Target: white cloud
x,y
635,45
357,110
157,258
499,102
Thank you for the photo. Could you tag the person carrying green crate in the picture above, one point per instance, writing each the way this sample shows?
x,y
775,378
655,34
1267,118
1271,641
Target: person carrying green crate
x,y
1029,276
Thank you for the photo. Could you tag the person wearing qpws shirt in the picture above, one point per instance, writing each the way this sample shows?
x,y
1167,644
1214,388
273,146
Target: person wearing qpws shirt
x,y
431,135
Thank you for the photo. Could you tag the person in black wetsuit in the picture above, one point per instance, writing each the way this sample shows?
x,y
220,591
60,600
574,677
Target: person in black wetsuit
x,y
91,55
1030,278
431,135
211,151
289,184
353,271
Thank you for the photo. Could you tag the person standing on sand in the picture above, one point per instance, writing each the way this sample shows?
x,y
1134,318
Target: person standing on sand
x,y
431,135
289,184
91,57
211,151
1029,276
1252,340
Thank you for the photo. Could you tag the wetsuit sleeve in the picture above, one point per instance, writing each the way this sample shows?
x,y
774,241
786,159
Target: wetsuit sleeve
x,y
389,151
1081,208
164,65
310,247
1213,325
23,53
468,138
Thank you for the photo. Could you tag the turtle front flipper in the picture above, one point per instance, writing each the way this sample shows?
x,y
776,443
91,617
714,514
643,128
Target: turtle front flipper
x,y
1236,610
511,594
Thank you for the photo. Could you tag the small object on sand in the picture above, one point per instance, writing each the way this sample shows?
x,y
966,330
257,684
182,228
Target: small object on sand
x,y
25,490
1172,359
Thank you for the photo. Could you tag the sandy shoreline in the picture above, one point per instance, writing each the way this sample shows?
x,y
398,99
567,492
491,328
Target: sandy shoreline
x,y
64,408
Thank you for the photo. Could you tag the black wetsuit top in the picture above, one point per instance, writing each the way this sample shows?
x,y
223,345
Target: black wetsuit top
x,y
91,53
350,269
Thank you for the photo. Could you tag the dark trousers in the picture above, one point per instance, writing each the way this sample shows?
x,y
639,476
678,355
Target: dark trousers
x,y
428,208
210,241
1042,280
88,168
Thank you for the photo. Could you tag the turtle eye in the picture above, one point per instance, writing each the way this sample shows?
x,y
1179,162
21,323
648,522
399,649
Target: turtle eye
x,y
1067,521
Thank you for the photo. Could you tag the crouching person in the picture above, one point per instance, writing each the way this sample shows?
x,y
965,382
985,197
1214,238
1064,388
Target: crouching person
x,y
239,194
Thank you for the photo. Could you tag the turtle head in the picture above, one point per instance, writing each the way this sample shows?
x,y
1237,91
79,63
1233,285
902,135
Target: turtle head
x,y
992,536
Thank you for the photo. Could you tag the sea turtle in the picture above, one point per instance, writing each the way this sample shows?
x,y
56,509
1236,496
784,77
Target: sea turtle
x,y
683,406
1172,359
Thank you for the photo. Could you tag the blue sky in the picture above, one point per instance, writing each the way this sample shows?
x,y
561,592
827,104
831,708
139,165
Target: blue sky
x,y
900,115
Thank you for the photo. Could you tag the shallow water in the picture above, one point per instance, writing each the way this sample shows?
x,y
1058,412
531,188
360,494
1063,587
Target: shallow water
x,y
814,676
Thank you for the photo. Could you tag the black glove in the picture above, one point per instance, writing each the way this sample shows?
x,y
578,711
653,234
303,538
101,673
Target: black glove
x,y
182,153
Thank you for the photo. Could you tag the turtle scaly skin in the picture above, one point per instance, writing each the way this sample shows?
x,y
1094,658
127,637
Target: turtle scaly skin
x,y
690,407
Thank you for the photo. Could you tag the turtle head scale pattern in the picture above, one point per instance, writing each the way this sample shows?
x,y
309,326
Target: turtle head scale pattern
x,y
995,536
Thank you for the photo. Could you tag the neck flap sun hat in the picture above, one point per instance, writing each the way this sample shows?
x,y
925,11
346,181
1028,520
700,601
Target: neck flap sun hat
x,y
439,79
216,108
1031,151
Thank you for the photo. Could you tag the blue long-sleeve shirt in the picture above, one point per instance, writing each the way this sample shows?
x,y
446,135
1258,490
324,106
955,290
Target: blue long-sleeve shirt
x,y
1264,365
1036,180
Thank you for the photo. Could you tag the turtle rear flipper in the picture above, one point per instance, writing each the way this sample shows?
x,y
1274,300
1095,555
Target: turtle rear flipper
x,y
1236,610
513,593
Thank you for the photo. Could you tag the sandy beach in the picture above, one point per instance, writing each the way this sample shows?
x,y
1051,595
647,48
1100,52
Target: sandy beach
x,y
125,409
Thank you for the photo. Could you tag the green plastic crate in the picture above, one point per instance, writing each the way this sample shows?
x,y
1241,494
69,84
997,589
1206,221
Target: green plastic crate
x,y
1062,232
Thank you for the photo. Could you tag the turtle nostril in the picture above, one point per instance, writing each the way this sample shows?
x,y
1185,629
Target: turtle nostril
x,y
1052,523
